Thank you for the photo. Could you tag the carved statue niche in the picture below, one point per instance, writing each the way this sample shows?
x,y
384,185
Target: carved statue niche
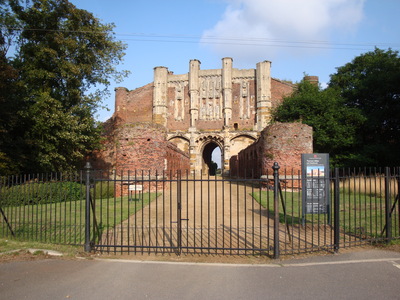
x,y
179,107
218,87
244,103
204,89
244,89
211,89
210,104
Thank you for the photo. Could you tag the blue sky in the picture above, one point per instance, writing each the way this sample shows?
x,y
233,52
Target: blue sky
x,y
298,36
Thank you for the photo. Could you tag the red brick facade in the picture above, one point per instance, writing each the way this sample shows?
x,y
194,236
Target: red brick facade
x,y
141,147
280,142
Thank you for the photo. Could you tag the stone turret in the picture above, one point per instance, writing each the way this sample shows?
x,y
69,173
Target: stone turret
x,y
160,95
227,89
264,105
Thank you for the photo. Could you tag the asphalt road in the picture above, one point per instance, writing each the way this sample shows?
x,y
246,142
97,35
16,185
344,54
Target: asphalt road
x,y
370,274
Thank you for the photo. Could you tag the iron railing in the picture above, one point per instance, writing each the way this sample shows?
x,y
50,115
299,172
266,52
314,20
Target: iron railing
x,y
175,212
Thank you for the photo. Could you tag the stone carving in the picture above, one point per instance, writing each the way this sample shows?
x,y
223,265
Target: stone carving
x,y
210,106
244,102
179,103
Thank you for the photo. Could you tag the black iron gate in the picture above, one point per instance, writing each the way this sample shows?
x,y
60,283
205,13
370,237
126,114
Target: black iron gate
x,y
179,213
145,212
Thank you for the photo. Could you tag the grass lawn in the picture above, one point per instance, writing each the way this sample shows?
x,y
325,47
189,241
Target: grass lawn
x,y
360,214
64,222
290,209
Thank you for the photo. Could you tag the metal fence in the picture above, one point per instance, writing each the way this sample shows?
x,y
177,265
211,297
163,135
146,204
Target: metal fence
x,y
145,212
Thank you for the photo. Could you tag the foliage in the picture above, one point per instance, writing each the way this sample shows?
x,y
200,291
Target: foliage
x,y
36,192
63,55
335,125
42,193
8,88
103,191
370,83
8,118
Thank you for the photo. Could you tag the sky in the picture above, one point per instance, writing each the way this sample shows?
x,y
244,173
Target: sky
x,y
299,37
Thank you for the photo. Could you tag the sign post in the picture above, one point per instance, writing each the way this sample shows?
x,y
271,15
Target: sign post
x,y
315,184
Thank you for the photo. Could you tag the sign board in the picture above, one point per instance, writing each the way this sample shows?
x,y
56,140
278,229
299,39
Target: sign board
x,y
315,183
136,187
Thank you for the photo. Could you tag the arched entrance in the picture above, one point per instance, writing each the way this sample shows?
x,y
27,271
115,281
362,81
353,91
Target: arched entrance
x,y
209,166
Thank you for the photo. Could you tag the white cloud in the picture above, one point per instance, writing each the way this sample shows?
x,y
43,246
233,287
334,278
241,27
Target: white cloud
x,y
248,23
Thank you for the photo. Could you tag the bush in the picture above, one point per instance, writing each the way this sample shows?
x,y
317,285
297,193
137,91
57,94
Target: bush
x,y
42,192
104,190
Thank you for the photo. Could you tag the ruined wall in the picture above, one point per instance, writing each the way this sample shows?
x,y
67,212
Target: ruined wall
x,y
279,90
134,106
284,143
135,150
140,147
177,160
280,142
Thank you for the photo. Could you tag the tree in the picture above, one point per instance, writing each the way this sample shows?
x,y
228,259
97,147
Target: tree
x,y
334,125
370,83
62,53
8,90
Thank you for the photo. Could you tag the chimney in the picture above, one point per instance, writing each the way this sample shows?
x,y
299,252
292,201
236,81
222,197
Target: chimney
x,y
312,79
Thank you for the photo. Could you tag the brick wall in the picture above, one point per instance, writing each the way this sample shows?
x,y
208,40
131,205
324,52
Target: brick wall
x,y
141,146
141,149
279,90
134,106
280,142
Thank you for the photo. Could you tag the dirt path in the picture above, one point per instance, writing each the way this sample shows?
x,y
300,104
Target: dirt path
x,y
216,216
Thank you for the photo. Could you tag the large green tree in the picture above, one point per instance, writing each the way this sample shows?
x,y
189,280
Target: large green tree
x,y
334,124
63,54
371,83
8,92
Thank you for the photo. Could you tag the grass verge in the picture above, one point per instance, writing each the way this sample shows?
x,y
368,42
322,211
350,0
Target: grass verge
x,y
64,222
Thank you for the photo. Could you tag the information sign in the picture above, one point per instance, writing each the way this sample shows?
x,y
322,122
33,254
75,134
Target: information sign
x,y
315,183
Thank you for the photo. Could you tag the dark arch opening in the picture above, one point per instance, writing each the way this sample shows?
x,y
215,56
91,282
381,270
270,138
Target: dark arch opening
x,y
209,166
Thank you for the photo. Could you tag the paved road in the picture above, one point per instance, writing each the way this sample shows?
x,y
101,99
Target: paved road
x,y
369,274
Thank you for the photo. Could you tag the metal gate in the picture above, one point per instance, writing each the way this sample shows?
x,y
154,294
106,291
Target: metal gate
x,y
156,214
178,213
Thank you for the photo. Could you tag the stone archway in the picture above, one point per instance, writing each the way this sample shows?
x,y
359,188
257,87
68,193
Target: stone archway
x,y
206,145
208,166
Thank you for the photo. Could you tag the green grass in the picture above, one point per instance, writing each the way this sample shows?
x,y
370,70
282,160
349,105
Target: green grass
x,y
360,214
64,222
290,210
364,215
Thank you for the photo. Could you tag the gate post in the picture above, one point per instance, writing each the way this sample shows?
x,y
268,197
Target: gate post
x,y
336,212
388,213
276,167
179,210
88,246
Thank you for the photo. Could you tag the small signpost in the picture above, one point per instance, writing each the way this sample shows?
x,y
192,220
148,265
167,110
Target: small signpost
x,y
315,184
133,188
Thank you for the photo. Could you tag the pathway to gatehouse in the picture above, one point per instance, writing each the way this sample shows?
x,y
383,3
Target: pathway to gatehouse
x,y
216,217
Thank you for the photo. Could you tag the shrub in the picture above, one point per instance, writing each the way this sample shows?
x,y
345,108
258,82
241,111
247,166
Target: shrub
x,y
104,190
42,192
